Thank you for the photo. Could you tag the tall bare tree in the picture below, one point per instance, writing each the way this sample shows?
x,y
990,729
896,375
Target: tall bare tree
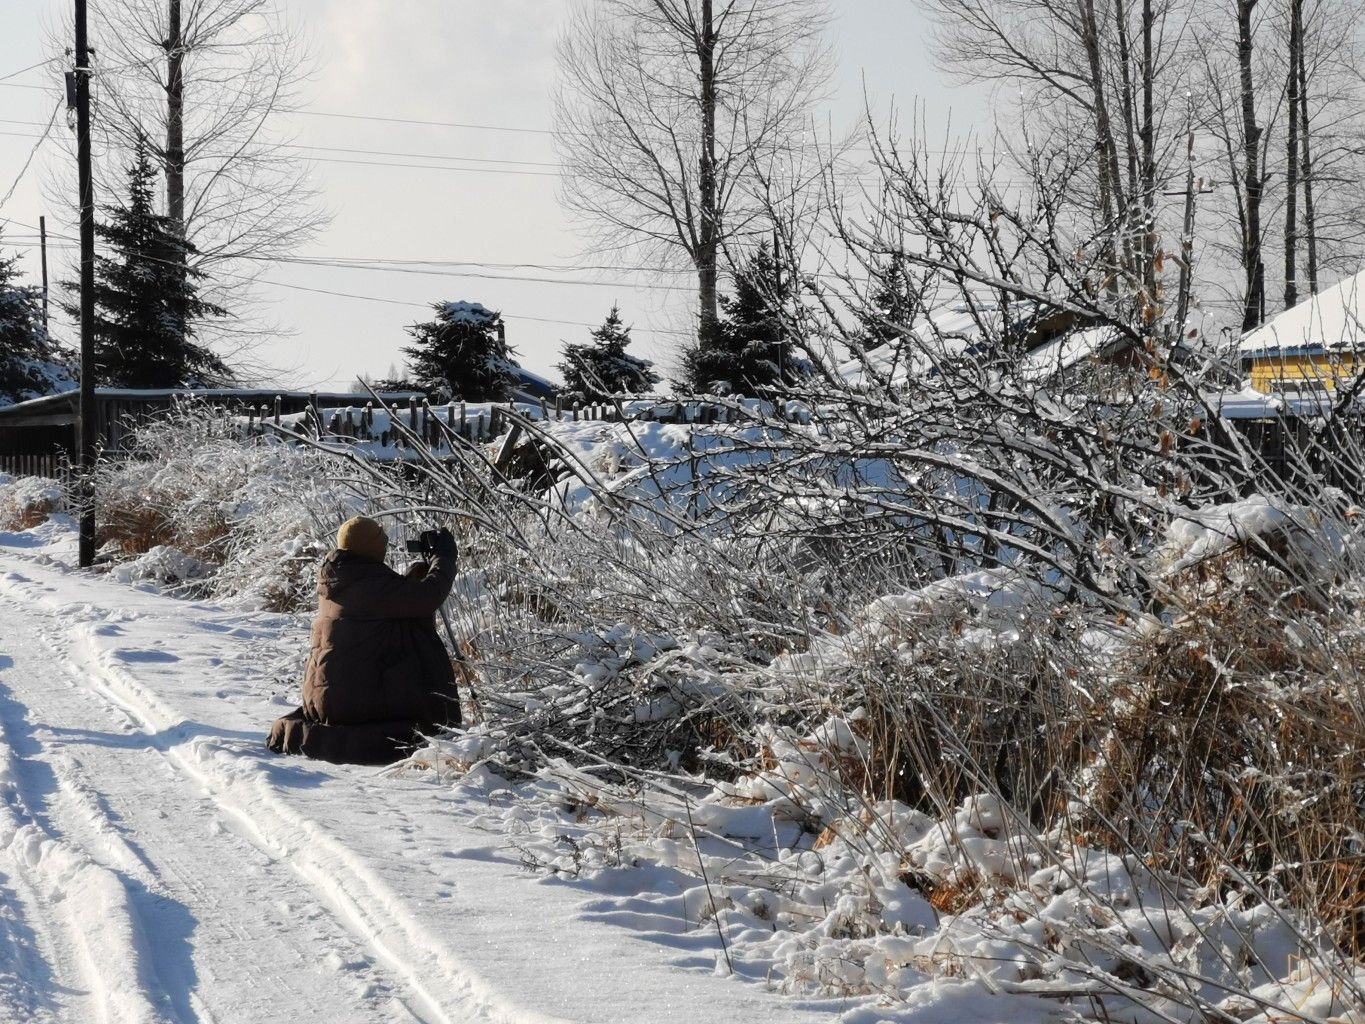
x,y
674,117
1275,102
1098,80
209,83
1292,163
1283,73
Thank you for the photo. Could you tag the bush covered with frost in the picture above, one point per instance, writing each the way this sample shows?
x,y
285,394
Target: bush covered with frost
x,y
244,521
27,501
1131,786
779,637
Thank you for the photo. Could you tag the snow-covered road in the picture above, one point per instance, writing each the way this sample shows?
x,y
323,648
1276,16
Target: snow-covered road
x,y
158,865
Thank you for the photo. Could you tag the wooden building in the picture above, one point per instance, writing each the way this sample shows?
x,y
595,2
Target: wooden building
x,y
1316,346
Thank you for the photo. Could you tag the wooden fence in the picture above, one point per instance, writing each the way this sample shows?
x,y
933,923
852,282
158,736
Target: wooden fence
x,y
1290,447
48,465
440,426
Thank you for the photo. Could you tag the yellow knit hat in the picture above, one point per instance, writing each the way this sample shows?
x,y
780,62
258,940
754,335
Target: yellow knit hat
x,y
364,537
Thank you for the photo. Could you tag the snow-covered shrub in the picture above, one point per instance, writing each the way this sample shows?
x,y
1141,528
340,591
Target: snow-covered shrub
x,y
259,512
839,626
27,501
1244,713
169,567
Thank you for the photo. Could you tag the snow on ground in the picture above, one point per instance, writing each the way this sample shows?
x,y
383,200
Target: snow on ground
x,y
157,864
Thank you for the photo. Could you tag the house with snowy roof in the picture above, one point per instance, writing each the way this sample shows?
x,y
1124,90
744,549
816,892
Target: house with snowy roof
x,y
1317,345
1053,341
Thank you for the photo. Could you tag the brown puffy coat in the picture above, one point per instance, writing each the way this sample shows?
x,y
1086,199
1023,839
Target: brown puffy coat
x,y
377,671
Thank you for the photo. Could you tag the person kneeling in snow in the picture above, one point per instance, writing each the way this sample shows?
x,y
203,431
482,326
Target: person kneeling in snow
x,y
378,676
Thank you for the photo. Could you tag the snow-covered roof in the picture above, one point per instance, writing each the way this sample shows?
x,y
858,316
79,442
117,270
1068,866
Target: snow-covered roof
x,y
954,330
944,332
1250,404
1070,350
1331,321
532,386
69,398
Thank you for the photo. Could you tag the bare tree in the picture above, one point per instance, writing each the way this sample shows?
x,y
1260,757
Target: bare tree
x,y
674,117
208,83
1252,181
1282,100
1097,80
1274,103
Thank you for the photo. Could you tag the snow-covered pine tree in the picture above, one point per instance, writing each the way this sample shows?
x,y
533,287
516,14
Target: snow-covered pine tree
x,y
462,354
146,298
30,365
748,353
891,306
601,368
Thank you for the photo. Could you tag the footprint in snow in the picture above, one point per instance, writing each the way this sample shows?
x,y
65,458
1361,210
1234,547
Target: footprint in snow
x,y
339,963
145,657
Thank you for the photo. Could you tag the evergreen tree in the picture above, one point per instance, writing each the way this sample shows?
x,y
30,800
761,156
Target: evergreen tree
x,y
748,352
891,307
462,354
146,298
30,364
600,368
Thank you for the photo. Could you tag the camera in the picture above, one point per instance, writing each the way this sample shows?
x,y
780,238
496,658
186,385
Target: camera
x,y
425,544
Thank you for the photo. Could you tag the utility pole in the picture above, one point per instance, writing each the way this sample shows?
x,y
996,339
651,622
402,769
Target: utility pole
x,y
42,246
86,427
1186,237
1192,188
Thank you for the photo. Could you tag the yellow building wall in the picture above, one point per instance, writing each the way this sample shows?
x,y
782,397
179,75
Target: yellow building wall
x,y
1329,369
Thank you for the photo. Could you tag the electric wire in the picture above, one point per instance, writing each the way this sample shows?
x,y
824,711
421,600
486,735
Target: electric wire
x,y
31,154
345,295
31,67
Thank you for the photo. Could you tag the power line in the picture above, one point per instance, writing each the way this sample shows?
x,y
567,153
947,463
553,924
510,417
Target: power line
x,y
385,163
512,171
367,152
354,295
32,153
427,124
31,67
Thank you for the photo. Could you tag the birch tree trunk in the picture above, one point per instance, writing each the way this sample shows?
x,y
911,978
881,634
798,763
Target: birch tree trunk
x,y
1292,159
1253,184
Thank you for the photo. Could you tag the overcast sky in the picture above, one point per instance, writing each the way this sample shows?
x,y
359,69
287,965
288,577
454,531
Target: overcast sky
x,y
489,62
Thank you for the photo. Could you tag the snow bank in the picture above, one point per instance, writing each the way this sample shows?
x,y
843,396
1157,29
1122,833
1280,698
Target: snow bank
x,y
893,911
996,604
1316,540
168,566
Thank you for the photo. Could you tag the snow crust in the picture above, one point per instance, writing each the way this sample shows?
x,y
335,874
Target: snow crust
x,y
1195,536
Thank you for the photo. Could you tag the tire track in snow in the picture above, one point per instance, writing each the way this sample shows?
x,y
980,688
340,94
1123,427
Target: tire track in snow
x,y
376,914
185,900
444,991
99,931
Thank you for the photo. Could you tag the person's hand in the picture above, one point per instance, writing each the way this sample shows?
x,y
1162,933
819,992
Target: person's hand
x,y
417,571
445,544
